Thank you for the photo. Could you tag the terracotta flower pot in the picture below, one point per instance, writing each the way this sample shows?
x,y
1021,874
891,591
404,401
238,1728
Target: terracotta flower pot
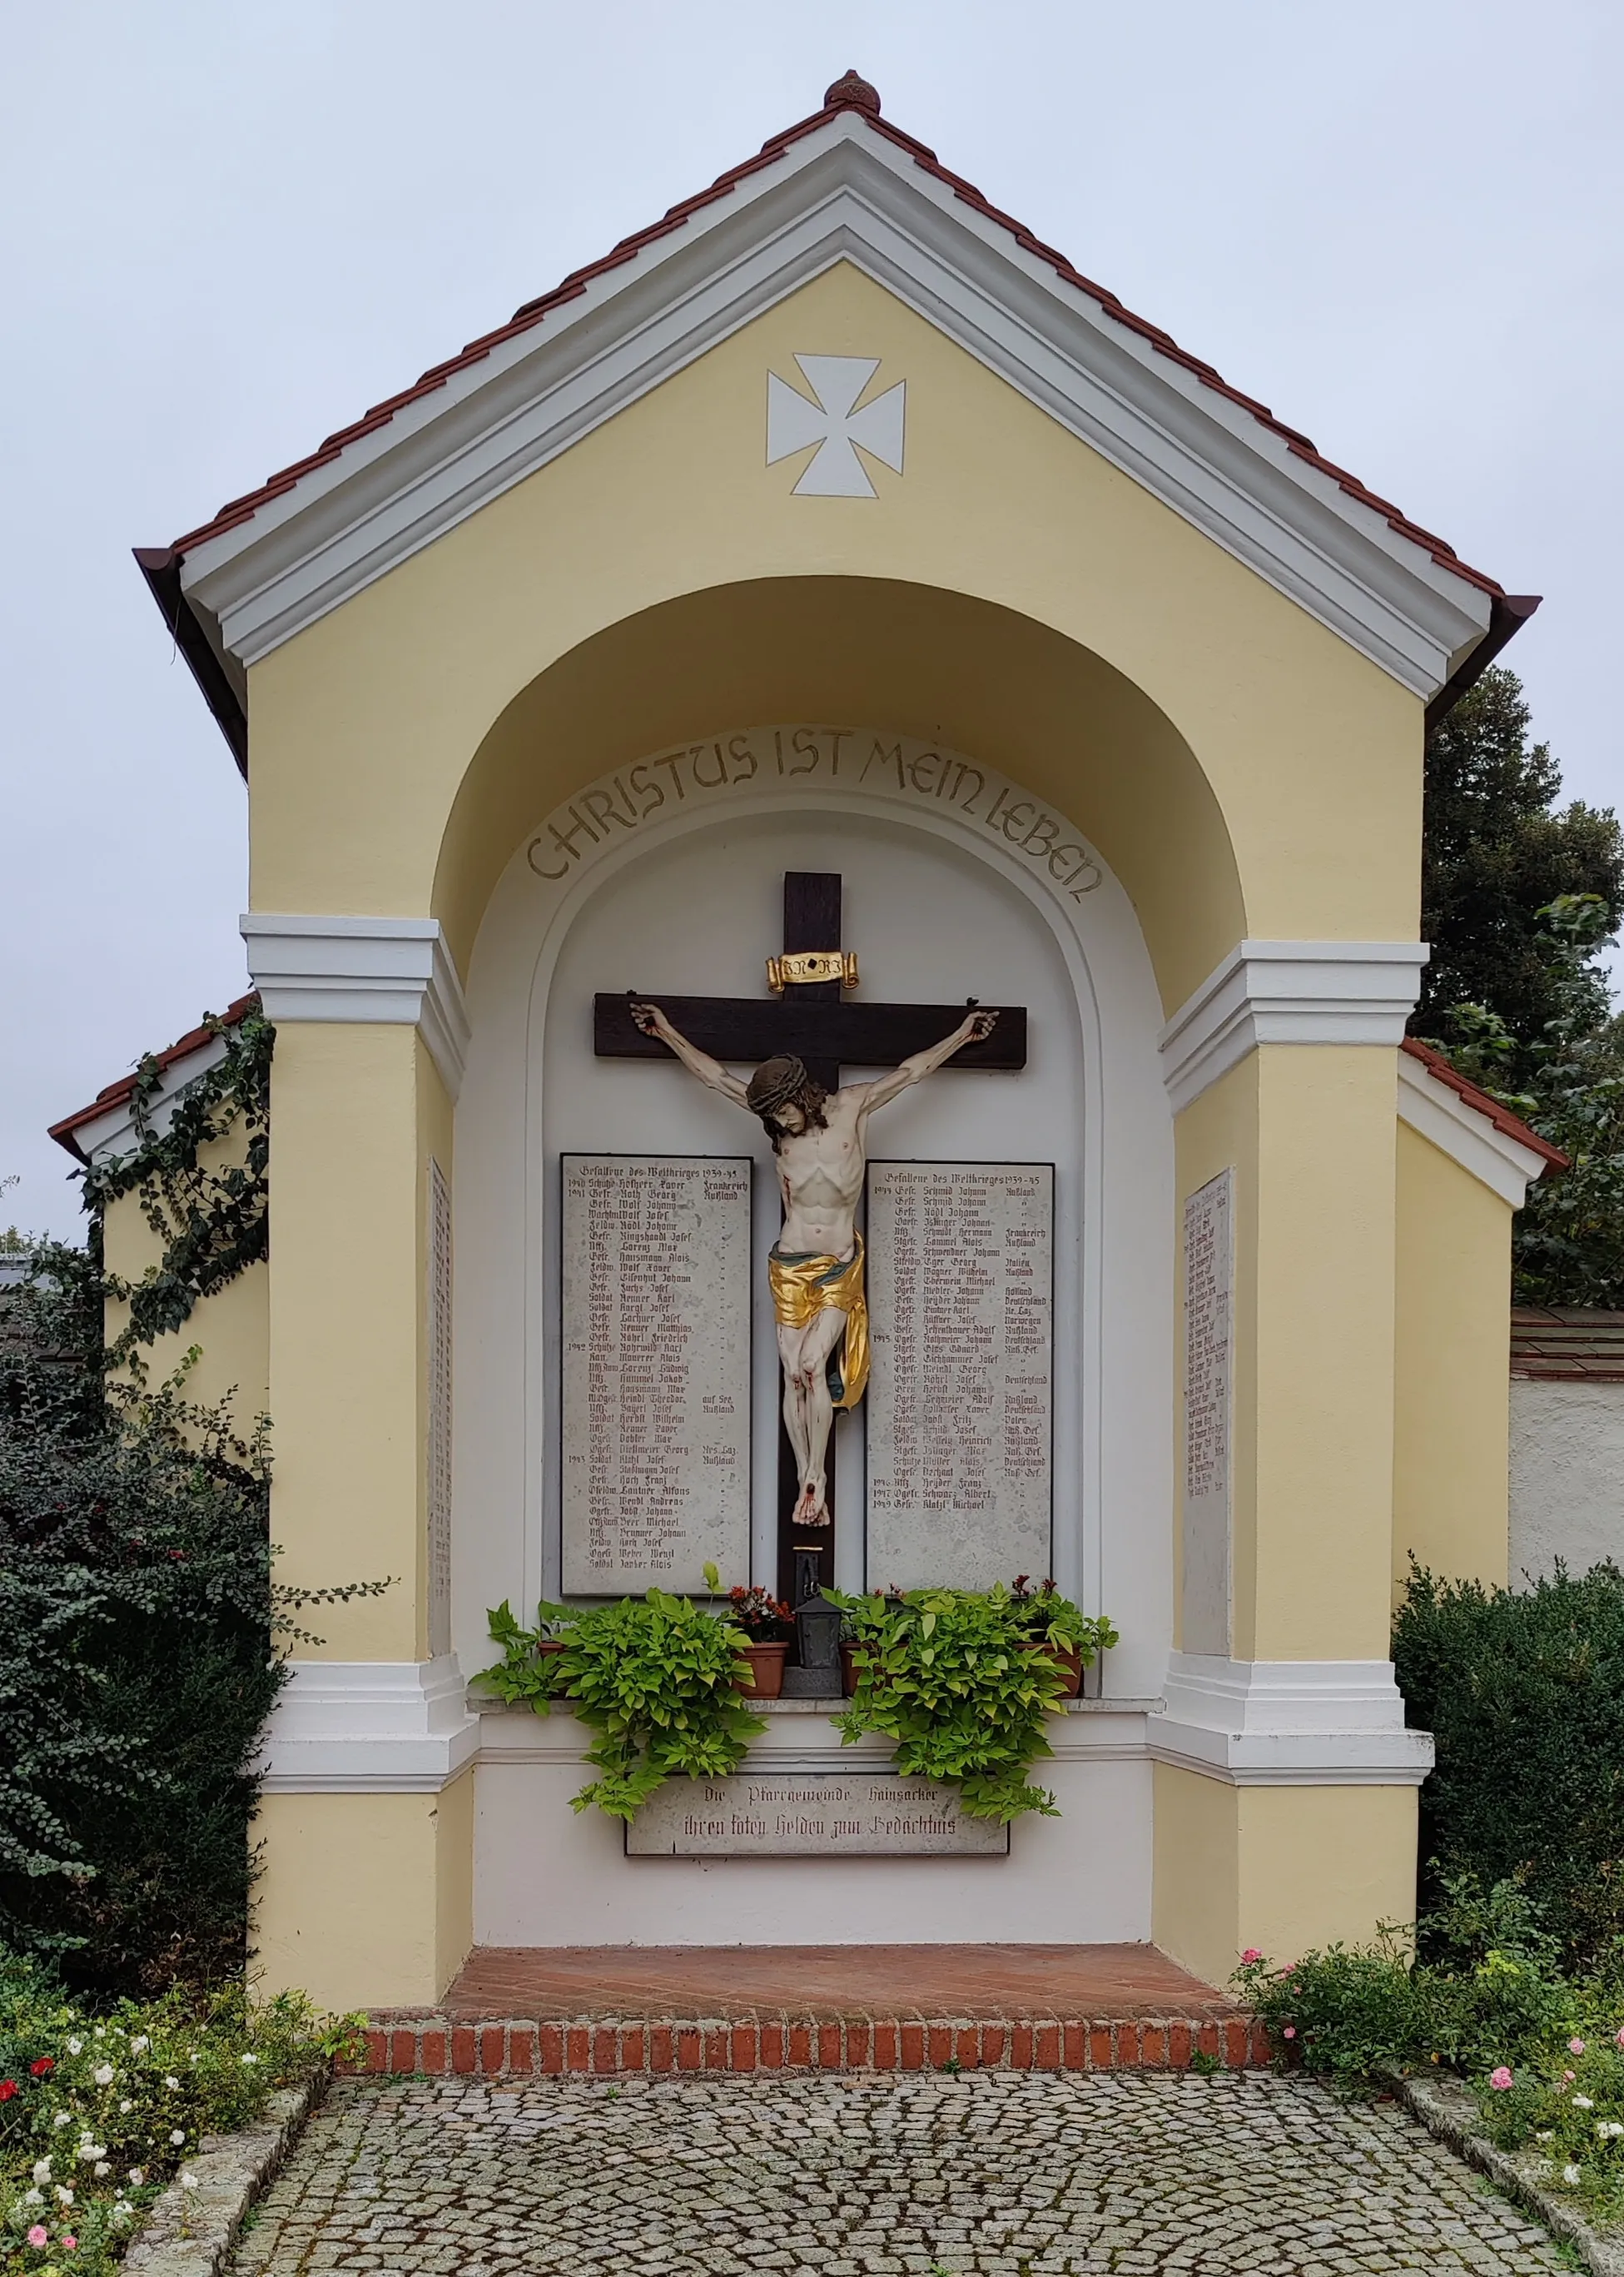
x,y
1069,1663
848,1668
764,1673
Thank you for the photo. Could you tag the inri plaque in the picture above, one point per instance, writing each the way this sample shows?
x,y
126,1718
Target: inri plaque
x,y
960,1404
657,1370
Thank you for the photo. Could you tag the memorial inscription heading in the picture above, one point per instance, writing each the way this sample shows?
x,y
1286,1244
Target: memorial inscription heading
x,y
960,1406
657,1370
811,1815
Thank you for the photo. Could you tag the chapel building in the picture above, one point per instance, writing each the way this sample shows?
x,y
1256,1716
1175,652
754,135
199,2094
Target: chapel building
x,y
833,572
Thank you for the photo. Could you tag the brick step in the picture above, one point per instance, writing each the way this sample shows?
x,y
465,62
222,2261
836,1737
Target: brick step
x,y
524,2047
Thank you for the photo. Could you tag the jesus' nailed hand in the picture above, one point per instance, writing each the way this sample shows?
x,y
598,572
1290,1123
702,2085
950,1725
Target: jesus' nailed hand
x,y
820,1139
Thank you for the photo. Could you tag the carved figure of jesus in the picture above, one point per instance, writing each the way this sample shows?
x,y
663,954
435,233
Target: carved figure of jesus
x,y
815,1268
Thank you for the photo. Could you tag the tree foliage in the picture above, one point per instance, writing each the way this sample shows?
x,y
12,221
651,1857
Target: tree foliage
x,y
1497,852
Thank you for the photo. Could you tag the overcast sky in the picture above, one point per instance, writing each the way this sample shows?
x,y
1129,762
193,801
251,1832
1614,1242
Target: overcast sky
x,y
228,229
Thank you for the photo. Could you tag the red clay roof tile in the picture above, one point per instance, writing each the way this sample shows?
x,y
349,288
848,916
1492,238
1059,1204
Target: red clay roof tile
x,y
115,1094
1503,1119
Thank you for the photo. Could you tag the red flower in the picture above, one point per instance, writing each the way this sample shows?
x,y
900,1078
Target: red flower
x,y
8,2089
42,2065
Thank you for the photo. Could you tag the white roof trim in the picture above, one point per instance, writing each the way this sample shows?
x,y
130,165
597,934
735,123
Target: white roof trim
x,y
1465,1133
113,1134
843,193
1289,992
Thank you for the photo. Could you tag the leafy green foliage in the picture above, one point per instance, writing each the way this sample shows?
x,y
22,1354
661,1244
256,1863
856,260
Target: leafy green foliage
x,y
1568,1243
1524,1695
957,1678
1495,853
210,1211
91,2105
656,1678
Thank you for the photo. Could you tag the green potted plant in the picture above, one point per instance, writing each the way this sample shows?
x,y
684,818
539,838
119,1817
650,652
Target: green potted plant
x,y
1054,1624
962,1683
767,1624
654,1677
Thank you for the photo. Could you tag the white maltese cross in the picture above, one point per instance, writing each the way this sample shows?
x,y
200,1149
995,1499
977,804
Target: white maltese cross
x,y
792,423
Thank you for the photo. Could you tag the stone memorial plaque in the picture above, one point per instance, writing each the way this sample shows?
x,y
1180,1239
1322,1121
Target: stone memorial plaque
x,y
657,1371
811,1815
1209,1276
960,1404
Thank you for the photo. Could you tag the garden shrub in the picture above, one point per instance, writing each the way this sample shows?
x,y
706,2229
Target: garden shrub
x,y
1523,1693
98,2112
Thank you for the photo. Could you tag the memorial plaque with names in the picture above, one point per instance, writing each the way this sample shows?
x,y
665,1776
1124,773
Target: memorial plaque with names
x,y
657,1371
811,1815
1209,1276
960,1404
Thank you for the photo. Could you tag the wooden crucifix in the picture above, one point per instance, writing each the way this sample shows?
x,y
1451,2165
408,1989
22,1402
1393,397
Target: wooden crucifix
x,y
808,1019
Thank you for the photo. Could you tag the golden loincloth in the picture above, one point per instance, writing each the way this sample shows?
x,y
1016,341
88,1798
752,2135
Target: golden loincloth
x,y
804,1285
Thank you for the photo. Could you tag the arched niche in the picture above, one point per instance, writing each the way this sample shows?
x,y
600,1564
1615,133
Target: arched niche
x,y
1068,727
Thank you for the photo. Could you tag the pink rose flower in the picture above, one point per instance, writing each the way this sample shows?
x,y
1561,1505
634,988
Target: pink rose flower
x,y
1575,2047
1570,2074
1500,2077
1291,2032
68,2240
1252,1955
39,2234
1618,2036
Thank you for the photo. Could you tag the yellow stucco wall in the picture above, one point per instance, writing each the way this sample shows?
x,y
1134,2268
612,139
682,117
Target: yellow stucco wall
x,y
229,1326
1283,1869
366,1900
1450,1390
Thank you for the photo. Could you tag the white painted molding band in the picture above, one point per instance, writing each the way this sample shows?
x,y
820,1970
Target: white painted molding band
x,y
358,1727
841,194
1289,992
361,1727
396,971
1465,1133
1287,1722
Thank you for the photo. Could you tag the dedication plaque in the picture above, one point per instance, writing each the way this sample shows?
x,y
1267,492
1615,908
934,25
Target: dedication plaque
x,y
960,1402
811,1815
1208,1308
657,1371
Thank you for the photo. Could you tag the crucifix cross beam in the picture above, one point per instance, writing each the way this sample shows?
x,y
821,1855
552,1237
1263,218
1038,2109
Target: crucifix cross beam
x,y
810,1019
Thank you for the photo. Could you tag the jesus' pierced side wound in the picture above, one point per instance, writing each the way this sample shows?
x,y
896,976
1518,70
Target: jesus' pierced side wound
x,y
815,1267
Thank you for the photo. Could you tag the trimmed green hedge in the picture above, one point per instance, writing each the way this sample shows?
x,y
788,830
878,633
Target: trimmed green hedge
x,y
1524,1692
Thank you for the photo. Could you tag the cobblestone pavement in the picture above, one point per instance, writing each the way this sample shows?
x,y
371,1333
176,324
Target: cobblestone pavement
x,y
850,2174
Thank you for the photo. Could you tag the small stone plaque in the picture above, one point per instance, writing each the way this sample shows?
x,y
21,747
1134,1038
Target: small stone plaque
x,y
657,1370
960,1406
811,1815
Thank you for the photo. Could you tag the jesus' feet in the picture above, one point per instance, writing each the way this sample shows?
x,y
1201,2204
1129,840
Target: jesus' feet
x,y
812,1509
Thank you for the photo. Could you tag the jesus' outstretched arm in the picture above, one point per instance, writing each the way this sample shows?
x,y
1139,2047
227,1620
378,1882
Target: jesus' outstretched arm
x,y
710,1072
975,1028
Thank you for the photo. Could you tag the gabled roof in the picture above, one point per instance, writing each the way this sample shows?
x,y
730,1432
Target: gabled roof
x,y
1572,1343
108,1115
1354,575
1509,1125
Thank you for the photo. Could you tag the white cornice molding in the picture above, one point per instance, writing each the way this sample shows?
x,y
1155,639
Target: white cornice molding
x,y
1465,1133
115,1133
1287,1722
357,1728
842,193
396,970
1289,992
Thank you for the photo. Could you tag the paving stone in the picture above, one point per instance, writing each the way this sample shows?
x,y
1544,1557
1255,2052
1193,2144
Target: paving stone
x,y
1002,2175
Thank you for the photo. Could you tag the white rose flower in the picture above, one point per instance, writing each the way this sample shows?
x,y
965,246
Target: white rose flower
x,y
76,2047
42,2170
100,2031
169,2080
1543,2138
139,2045
1583,2102
63,2119
101,2170
63,2194
178,2135
33,2197
1570,2176
187,2181
102,2075
250,2058
138,2175
124,2105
